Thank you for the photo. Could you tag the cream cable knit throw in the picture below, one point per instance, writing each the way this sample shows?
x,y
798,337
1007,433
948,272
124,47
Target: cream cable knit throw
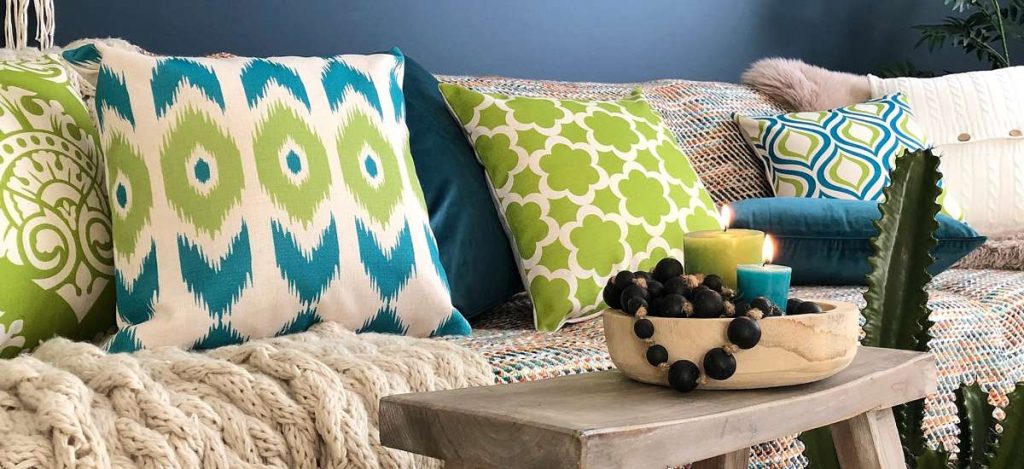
x,y
302,401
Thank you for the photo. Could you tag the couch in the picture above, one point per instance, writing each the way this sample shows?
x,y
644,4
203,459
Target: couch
x,y
978,337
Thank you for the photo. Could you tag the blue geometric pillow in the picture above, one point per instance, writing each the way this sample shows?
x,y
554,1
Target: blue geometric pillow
x,y
845,153
255,197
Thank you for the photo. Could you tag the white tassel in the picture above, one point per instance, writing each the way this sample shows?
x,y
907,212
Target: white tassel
x,y
16,23
46,23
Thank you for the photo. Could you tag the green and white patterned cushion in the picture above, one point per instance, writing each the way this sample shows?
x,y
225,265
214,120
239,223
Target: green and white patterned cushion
x,y
843,153
254,197
56,266
585,188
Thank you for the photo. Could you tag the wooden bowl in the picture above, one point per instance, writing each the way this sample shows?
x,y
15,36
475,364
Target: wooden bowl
x,y
793,349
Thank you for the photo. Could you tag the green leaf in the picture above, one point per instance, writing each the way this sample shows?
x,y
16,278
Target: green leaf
x,y
819,448
897,304
1007,453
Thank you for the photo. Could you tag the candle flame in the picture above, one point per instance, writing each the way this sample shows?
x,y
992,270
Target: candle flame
x,y
768,250
725,215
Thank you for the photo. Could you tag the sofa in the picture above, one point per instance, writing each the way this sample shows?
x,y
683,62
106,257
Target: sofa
x,y
70,403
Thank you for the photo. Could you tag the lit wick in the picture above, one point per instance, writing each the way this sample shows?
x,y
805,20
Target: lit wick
x,y
725,215
767,251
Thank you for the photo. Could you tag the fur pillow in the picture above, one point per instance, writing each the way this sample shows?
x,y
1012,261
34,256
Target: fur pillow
x,y
803,87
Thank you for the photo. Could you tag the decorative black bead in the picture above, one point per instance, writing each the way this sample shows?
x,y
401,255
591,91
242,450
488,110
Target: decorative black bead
x,y
634,304
671,306
683,375
667,268
808,307
762,303
675,286
630,292
623,279
713,282
655,288
707,303
644,275
744,332
656,355
643,328
612,295
791,305
719,364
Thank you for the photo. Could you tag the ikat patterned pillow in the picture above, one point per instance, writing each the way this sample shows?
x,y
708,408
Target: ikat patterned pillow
x,y
585,188
844,153
56,263
254,197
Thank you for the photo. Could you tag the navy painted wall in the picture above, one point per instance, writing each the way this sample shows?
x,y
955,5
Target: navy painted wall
x,y
600,40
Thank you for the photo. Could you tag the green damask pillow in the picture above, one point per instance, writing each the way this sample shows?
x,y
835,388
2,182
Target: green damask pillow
x,y
585,188
56,267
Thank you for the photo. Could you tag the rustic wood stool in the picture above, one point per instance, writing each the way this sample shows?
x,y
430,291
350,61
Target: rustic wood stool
x,y
605,420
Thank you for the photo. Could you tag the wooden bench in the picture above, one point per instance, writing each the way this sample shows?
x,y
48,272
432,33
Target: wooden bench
x,y
605,420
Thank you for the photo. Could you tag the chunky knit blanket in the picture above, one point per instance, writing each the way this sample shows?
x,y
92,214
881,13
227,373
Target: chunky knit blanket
x,y
304,401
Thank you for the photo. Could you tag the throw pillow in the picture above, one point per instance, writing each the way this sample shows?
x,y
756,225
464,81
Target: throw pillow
x,y
843,153
253,197
975,121
471,240
828,242
56,266
586,188
699,114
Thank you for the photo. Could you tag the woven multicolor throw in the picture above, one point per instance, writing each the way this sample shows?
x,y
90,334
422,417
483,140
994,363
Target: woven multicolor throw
x,y
978,336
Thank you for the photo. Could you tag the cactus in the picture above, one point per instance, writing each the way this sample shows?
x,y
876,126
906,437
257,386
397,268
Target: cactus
x,y
897,303
896,317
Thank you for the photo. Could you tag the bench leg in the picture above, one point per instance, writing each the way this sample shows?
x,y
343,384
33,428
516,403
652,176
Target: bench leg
x,y
869,441
734,460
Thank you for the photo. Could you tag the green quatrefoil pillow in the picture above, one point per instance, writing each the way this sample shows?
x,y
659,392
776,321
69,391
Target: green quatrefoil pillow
x,y
844,153
585,188
253,197
56,265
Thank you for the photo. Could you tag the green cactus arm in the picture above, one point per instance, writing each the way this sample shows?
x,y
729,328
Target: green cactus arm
x,y
1008,453
976,431
897,303
896,310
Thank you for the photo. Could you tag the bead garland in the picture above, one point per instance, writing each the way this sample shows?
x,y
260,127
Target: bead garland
x,y
719,363
669,292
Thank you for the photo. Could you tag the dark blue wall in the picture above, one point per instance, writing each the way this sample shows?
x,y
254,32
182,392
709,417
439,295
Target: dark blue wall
x,y
601,40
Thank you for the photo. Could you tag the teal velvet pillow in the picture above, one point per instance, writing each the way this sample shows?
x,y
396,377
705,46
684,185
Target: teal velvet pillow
x,y
827,241
475,251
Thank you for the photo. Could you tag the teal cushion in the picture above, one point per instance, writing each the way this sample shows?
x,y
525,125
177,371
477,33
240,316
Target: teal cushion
x,y
475,251
827,241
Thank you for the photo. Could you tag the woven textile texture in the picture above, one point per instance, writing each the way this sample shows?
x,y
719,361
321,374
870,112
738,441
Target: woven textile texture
x,y
998,253
303,401
698,113
977,336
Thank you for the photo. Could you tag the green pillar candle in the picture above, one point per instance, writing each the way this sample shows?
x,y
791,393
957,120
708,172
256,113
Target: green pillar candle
x,y
719,252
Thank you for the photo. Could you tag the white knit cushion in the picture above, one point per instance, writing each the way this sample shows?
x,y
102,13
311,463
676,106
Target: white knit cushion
x,y
976,122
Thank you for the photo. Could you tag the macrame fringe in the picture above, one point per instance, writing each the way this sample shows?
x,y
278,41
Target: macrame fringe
x,y
16,23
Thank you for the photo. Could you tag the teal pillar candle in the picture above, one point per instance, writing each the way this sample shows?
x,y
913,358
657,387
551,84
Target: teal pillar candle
x,y
720,251
767,280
